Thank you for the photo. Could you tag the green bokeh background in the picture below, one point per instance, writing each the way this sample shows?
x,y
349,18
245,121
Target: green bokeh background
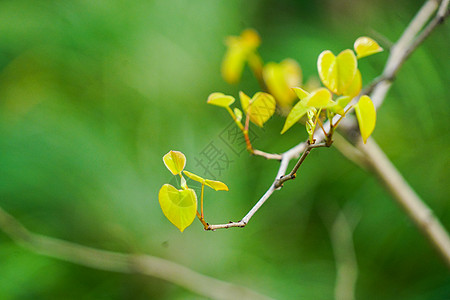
x,y
94,93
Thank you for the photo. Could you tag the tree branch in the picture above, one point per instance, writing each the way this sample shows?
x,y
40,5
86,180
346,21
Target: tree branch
x,y
416,209
124,263
341,236
411,38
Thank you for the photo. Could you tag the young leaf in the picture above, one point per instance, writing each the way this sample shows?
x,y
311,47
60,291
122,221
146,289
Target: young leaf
x,y
301,93
297,112
340,104
366,115
194,176
174,161
233,63
245,101
337,73
355,87
216,185
261,108
319,99
238,114
343,101
239,49
179,206
280,78
220,99
365,46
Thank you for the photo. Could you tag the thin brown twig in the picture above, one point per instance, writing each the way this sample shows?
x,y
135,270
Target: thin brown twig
x,y
292,174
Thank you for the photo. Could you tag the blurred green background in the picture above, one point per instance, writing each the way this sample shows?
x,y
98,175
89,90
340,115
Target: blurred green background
x,y
94,93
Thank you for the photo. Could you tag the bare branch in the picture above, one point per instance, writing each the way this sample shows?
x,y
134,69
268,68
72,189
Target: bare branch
x,y
416,209
341,236
124,263
267,155
279,182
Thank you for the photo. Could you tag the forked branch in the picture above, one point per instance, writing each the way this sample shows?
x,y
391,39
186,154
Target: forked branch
x,y
411,38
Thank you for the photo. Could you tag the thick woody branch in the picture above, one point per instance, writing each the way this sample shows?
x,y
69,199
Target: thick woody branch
x,y
124,263
407,198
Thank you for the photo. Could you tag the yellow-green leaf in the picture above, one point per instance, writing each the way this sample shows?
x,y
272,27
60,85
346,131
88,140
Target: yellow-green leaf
x,y
179,206
261,108
233,64
220,99
343,101
319,99
174,161
365,46
239,49
193,176
280,78
337,73
301,93
216,185
297,112
245,101
366,115
340,104
238,114
355,87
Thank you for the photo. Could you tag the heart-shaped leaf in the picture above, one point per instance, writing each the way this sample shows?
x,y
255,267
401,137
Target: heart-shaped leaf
x,y
194,176
220,99
245,101
280,78
355,87
337,73
301,93
233,63
174,161
366,115
238,114
319,99
261,108
365,46
340,104
179,206
297,112
216,185
238,52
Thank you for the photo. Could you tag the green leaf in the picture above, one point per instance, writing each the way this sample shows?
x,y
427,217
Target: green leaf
x,y
216,185
366,115
319,99
194,176
365,46
337,73
343,101
355,87
174,161
245,101
301,93
340,105
220,99
233,64
280,78
297,112
238,52
238,114
261,108
179,206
